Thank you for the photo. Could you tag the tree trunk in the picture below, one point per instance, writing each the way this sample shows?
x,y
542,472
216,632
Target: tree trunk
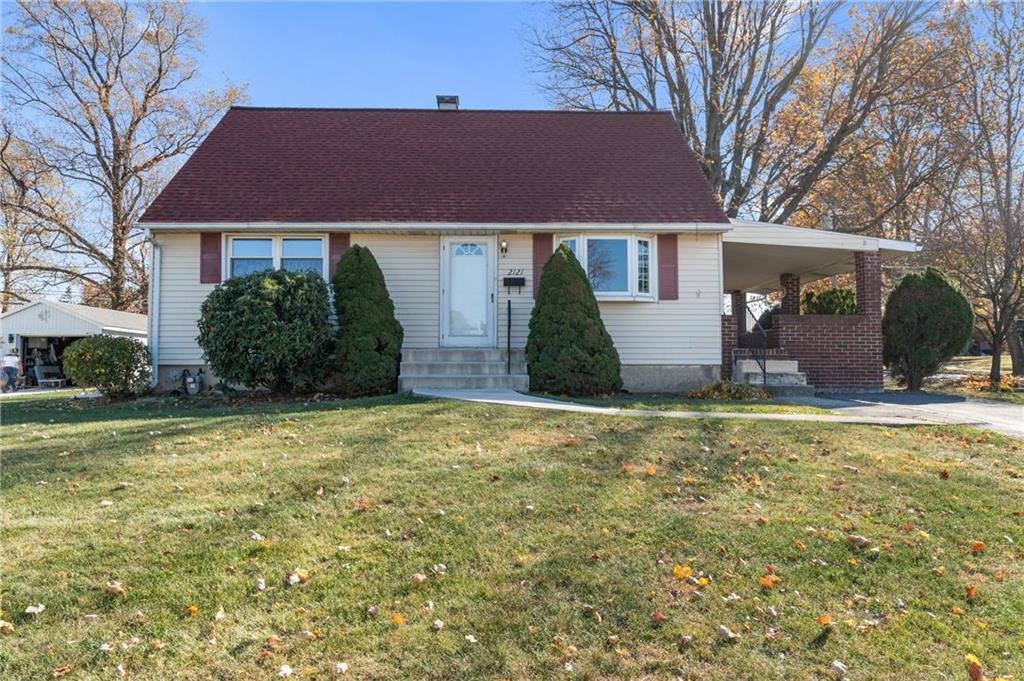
x,y
1016,344
995,373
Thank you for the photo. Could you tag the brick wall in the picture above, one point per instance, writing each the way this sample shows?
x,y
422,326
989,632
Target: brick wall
x,y
790,294
837,352
729,339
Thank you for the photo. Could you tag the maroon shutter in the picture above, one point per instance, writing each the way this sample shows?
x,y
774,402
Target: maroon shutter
x,y
209,257
339,243
668,267
543,247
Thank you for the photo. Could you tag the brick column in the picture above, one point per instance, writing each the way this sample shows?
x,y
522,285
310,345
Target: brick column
x,y
739,309
790,293
867,267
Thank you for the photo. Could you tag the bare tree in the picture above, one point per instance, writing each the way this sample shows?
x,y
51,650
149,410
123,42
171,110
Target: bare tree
x,y
981,241
730,72
106,98
28,265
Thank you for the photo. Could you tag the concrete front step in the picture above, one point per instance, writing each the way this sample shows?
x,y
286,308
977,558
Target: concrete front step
x,y
460,355
774,366
460,368
784,378
791,390
519,382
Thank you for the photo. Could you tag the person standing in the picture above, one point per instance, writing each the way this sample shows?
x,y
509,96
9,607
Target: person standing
x,y
12,369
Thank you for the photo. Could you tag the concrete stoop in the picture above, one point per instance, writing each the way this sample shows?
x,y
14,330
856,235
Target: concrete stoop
x,y
782,377
455,368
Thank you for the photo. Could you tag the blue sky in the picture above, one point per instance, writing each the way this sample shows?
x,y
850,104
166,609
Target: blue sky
x,y
382,54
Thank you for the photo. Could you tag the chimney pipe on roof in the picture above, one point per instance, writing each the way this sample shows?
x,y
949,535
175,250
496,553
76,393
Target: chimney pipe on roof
x,y
447,102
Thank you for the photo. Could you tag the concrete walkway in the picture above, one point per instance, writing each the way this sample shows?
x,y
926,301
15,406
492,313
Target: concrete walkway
x,y
511,398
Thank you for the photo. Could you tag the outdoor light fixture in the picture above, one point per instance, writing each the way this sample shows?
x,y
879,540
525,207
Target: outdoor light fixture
x,y
504,247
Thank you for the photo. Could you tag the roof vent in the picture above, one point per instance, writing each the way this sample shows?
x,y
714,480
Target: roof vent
x,y
447,102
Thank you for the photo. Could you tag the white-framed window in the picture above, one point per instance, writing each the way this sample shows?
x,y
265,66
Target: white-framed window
x,y
620,267
248,254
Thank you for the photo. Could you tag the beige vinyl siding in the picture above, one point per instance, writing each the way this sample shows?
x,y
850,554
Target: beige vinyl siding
x,y
683,331
686,331
181,296
411,266
519,257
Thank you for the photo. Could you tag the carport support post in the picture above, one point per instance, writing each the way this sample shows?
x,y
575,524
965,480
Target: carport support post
x,y
790,284
739,309
867,267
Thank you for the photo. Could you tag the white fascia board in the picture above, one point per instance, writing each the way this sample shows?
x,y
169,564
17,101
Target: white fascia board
x,y
447,227
820,238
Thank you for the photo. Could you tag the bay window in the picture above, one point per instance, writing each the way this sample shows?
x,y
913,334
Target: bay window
x,y
619,267
246,255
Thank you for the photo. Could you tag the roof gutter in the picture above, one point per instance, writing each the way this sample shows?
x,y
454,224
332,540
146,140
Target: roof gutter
x,y
439,227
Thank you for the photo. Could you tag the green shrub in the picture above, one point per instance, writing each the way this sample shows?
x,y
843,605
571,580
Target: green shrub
x,y
268,329
927,320
369,340
569,351
830,301
727,390
117,367
764,320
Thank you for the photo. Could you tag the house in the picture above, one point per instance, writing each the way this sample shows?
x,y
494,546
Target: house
x,y
462,209
42,329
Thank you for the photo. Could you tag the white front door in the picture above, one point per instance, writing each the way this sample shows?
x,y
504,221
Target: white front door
x,y
467,292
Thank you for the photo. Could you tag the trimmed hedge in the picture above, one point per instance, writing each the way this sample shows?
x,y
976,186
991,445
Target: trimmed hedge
x,y
268,329
927,320
369,340
569,350
118,367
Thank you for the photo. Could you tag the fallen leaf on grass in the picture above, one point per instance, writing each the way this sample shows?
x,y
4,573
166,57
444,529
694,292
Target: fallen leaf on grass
x,y
35,609
58,672
6,628
397,619
977,547
191,611
727,634
972,591
825,620
681,572
296,576
114,588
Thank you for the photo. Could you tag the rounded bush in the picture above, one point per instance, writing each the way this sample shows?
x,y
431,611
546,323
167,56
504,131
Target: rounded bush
x,y
830,301
269,330
927,320
569,350
118,367
369,340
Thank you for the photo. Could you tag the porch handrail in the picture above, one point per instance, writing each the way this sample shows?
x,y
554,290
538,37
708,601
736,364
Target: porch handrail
x,y
759,349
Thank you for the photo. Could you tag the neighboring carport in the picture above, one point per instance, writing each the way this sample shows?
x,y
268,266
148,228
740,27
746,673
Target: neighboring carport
x,y
41,330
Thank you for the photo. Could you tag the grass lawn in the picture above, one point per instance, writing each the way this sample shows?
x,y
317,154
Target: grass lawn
x,y
596,543
657,402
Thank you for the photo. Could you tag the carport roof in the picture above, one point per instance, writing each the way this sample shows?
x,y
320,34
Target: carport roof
x,y
755,254
113,320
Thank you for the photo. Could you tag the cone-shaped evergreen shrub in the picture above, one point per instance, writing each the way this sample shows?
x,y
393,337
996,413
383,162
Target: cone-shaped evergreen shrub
x,y
569,351
269,329
927,320
369,337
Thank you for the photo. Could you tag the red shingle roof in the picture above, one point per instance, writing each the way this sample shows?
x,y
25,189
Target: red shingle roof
x,y
388,165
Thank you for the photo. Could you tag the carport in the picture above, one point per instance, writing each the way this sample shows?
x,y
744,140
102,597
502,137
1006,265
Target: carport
x,y
41,330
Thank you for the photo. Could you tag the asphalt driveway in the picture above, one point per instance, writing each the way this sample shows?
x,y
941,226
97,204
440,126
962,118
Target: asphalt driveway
x,y
1002,417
